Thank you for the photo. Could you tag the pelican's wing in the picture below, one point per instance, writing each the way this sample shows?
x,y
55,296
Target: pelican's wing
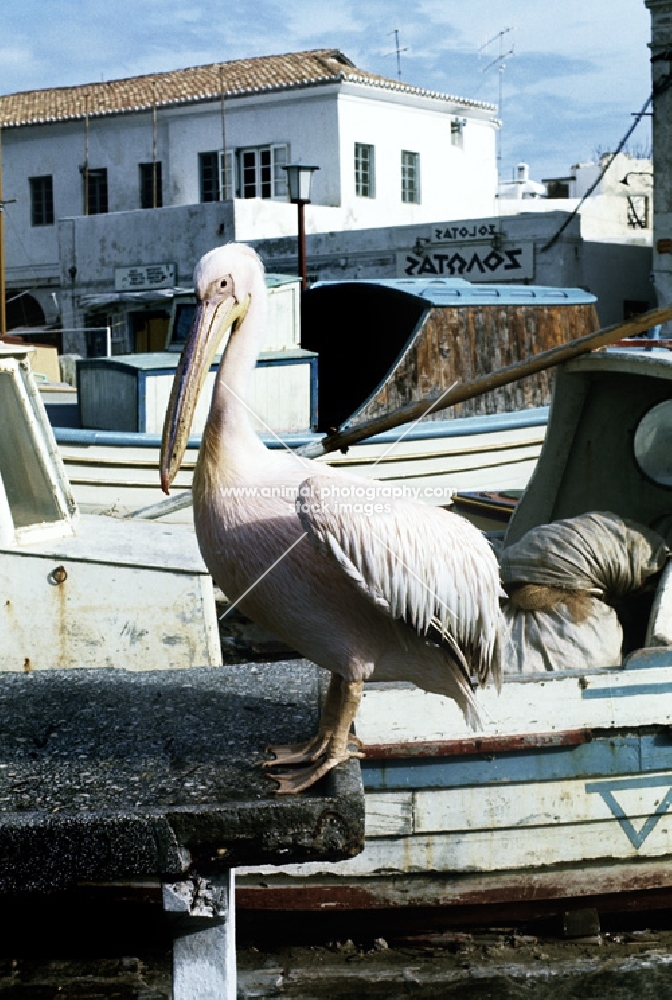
x,y
422,564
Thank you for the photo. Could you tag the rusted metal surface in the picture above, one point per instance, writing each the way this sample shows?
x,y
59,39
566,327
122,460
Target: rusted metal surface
x,y
476,745
460,344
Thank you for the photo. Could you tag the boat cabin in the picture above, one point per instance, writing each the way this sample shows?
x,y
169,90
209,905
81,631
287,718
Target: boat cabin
x,y
384,344
608,443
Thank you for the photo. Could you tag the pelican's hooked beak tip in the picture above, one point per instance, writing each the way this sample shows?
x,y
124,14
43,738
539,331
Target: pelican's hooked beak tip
x,y
165,485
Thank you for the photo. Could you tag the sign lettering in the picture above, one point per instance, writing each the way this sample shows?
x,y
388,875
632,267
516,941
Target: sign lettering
x,y
144,276
474,262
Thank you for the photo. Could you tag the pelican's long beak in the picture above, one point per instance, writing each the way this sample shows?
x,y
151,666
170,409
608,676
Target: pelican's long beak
x,y
210,329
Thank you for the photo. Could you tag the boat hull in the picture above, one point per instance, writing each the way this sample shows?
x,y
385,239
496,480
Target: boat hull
x,y
118,473
564,795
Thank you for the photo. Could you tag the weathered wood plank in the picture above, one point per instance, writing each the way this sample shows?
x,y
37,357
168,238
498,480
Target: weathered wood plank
x,y
601,758
423,749
540,805
458,345
283,892
389,814
613,699
524,849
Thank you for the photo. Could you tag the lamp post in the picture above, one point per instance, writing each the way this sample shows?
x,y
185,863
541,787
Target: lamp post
x,y
299,177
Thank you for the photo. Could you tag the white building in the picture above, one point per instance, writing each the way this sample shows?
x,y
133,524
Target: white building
x,y
618,210
388,154
521,187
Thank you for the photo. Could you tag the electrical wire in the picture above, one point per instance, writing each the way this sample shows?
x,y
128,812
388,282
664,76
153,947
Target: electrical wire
x,y
610,159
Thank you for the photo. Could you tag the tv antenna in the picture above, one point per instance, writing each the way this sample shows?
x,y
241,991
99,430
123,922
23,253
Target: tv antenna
x,y
398,51
500,62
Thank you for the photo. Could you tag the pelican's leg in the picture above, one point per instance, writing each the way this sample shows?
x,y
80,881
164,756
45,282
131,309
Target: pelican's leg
x,y
311,750
291,782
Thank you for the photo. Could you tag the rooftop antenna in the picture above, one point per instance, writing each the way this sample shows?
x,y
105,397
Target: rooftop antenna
x,y
398,51
500,62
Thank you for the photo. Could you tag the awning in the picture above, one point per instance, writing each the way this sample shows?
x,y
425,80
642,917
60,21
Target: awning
x,y
106,299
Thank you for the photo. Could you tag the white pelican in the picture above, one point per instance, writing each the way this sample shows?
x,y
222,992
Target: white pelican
x,y
410,593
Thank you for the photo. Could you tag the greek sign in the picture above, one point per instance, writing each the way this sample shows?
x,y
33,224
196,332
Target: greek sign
x,y
472,261
144,276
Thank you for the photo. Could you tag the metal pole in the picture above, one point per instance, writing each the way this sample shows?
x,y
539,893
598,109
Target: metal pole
x,y
302,246
154,154
222,172
86,158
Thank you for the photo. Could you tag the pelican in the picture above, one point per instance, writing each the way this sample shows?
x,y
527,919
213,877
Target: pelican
x,y
403,592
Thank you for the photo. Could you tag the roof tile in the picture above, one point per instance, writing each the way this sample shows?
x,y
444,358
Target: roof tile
x,y
199,83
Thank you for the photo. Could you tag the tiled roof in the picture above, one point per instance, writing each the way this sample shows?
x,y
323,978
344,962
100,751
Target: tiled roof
x,y
200,83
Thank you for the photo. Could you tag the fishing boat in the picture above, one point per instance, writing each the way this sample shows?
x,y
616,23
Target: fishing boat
x,y
116,472
561,799
371,347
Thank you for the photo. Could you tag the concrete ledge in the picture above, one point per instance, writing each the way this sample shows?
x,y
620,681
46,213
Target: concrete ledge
x,y
107,775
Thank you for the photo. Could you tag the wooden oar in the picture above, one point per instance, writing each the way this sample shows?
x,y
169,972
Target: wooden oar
x,y
342,439
458,394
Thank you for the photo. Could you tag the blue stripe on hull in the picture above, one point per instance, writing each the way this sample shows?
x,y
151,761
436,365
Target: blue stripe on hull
x,y
425,430
628,691
619,755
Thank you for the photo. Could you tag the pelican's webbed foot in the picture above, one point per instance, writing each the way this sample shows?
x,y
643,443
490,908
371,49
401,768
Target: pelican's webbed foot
x,y
291,782
333,744
308,752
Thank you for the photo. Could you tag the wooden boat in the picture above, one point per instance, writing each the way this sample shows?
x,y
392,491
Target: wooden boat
x,y
82,590
489,510
401,338
117,472
562,800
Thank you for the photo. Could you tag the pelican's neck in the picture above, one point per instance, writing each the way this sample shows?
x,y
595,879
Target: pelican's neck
x,y
229,433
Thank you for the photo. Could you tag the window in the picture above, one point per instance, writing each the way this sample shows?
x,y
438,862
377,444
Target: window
x,y
95,191
226,175
557,187
457,131
410,177
208,170
261,173
364,171
638,211
151,190
41,201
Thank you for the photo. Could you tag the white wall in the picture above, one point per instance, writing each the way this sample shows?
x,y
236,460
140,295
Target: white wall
x,y
305,120
320,125
454,182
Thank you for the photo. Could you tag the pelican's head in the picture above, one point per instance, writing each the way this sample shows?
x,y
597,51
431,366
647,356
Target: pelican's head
x,y
224,280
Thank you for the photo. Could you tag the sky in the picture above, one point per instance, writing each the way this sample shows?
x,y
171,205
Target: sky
x,y
574,72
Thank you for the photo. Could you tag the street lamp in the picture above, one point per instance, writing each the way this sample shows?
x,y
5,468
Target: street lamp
x,y
299,177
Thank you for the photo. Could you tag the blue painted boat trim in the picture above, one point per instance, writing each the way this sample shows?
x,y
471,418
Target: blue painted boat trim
x,y
424,431
631,691
460,292
607,789
603,757
645,659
